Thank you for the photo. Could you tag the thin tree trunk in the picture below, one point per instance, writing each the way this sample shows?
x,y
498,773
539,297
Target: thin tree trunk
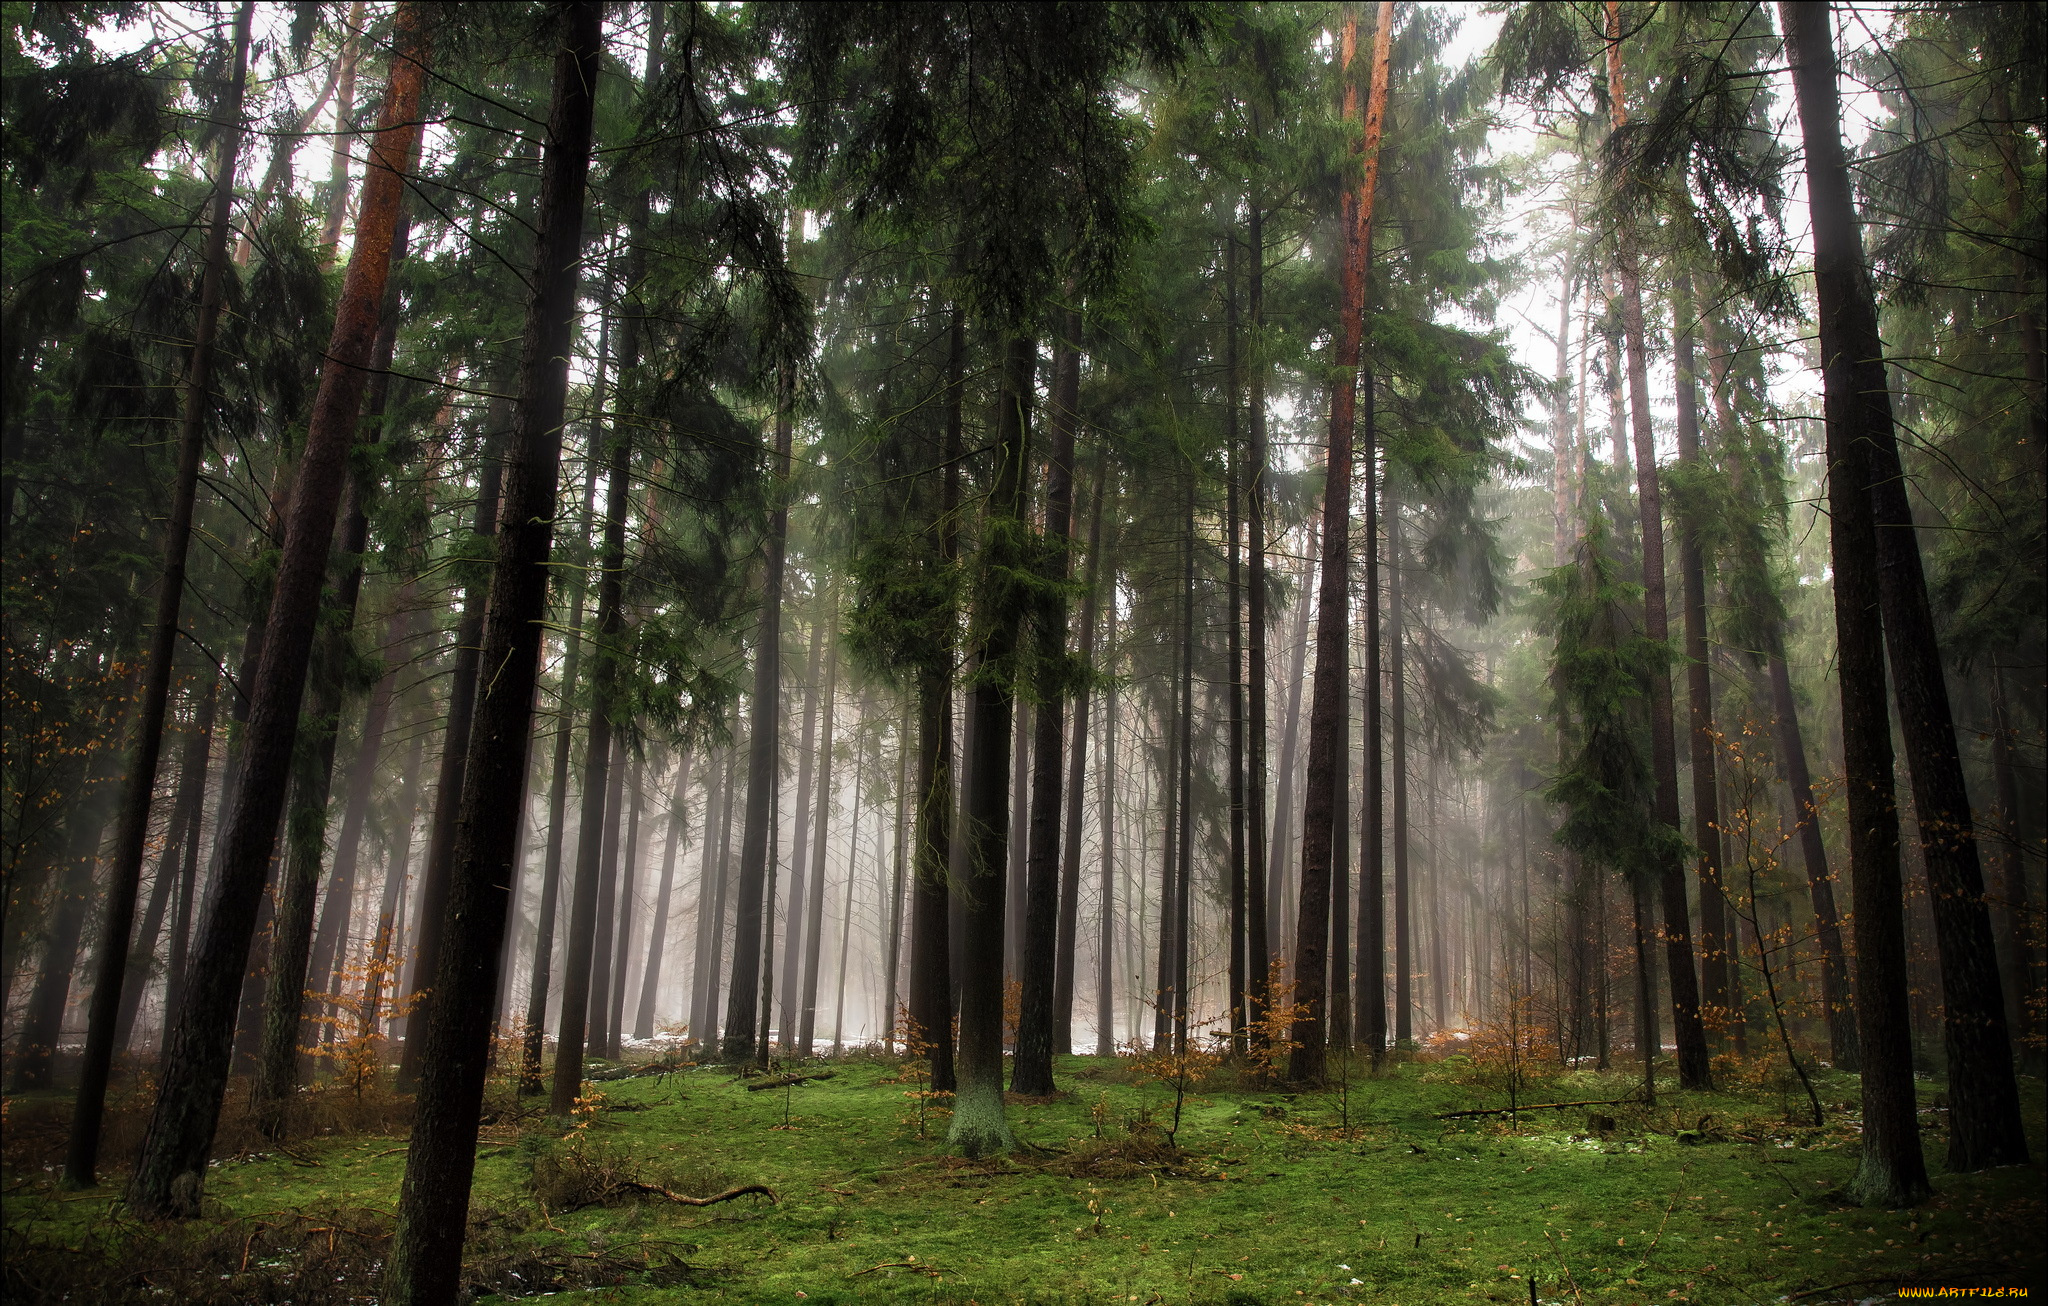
x,y
1694,1071
703,974
558,786
188,871
1031,1068
178,831
170,1172
1169,866
1258,950
291,939
979,1125
657,936
337,905
1283,798
462,691
596,1040
335,201
1077,771
1893,1170
808,1012
1371,1013
1239,937
764,742
433,1205
1020,840
799,849
81,1159
1702,739
1105,974
622,949
1397,731
899,846
2012,875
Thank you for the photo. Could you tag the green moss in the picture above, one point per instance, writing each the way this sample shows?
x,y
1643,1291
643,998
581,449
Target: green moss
x,y
1274,1200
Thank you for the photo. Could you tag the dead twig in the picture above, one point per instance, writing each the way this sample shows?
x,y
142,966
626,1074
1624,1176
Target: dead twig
x,y
1537,1106
896,1265
681,1199
784,1081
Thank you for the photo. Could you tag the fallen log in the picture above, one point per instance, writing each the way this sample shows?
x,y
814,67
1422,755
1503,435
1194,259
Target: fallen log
x,y
784,1081
1532,1106
681,1199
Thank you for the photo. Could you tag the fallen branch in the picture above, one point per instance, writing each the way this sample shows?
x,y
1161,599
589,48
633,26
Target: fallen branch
x,y
783,1081
1534,1106
680,1199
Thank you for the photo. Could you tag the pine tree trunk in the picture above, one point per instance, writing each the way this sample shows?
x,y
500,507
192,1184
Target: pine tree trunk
x,y
390,914
1031,1068
596,1036
979,1126
1234,650
799,849
2021,1007
337,905
1371,1013
1077,771
1020,836
764,743
622,948
1283,798
171,1169
558,786
306,845
462,690
1893,1171
1169,865
1985,1127
1397,732
813,944
433,1206
703,979
335,201
1258,952
1184,768
1703,742
1105,966
1694,1071
899,847
188,872
657,934
81,1159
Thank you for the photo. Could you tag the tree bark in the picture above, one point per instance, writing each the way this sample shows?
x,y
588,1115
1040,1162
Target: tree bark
x,y
1371,1009
597,1014
622,948
1258,951
764,751
807,1027
792,944
1031,1068
1694,1072
1397,731
433,1207
657,935
1283,797
335,201
1893,1170
1703,741
81,1159
169,1174
1239,936
558,787
1077,771
979,1126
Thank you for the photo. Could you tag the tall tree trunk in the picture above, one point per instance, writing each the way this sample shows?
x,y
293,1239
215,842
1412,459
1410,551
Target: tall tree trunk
x,y
1328,753
448,785
1715,950
899,847
188,871
1169,866
979,1126
932,903
179,831
335,200
764,744
390,913
1184,783
703,974
1397,731
792,942
1985,1126
1105,968
1031,1068
596,1041
1077,771
2012,875
558,787
1371,1013
1693,1069
1258,952
337,905
622,949
1234,650
306,845
81,1157
657,934
1893,1171
808,1011
433,1204
170,1172
1283,797
1020,844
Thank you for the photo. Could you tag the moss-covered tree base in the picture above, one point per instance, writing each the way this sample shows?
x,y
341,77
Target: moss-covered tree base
x,y
980,1126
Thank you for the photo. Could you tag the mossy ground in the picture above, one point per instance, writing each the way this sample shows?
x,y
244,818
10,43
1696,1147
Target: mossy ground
x,y
1275,1199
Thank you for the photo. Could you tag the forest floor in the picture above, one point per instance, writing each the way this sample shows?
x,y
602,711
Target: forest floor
x,y
1358,1193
